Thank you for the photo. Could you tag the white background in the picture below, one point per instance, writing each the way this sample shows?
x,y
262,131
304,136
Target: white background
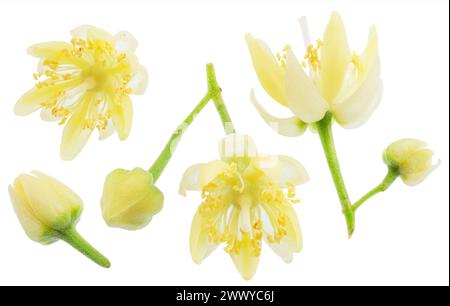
x,y
402,236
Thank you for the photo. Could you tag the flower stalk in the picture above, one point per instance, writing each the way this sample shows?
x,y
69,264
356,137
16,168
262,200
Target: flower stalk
x,y
214,93
72,237
390,177
324,128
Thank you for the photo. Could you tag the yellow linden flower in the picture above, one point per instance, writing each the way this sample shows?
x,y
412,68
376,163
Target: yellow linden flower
x,y
130,199
85,84
247,198
411,158
330,78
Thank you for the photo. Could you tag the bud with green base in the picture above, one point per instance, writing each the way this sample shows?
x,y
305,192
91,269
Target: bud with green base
x,y
48,211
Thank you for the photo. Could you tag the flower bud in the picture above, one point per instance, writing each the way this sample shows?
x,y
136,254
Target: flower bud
x,y
411,159
130,199
48,211
44,205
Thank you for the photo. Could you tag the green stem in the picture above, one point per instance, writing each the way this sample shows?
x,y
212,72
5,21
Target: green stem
x,y
214,93
390,177
324,128
166,154
72,237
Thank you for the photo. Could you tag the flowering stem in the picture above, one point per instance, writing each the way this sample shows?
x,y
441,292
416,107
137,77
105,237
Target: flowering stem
x,y
72,237
166,154
324,129
214,93
390,177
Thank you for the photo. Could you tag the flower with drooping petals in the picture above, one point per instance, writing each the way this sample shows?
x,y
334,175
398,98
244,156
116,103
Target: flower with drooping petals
x,y
330,78
85,84
247,198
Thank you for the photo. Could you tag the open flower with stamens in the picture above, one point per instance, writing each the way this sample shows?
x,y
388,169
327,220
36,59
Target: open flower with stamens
x,y
86,85
247,198
330,78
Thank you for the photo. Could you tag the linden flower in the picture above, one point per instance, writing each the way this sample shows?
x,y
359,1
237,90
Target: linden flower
x,y
330,79
247,198
86,85
411,159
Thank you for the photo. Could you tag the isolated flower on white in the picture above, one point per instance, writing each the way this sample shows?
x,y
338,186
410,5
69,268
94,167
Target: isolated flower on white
x,y
329,78
247,198
85,84
411,159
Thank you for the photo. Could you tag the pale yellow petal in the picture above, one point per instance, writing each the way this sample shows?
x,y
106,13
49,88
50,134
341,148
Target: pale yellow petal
x,y
246,261
92,33
304,99
335,57
67,196
200,175
289,127
200,246
357,108
107,132
190,180
33,228
122,116
283,170
139,81
269,72
49,207
293,241
400,150
125,42
414,179
36,97
370,54
49,50
210,171
76,133
418,161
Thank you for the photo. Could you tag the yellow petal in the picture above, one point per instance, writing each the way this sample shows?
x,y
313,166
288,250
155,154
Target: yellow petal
x,y
293,241
49,50
414,179
130,199
303,97
269,72
283,170
200,175
399,151
139,81
370,54
200,247
246,261
289,127
76,133
53,203
125,42
92,33
335,58
122,116
35,97
358,107
418,161
33,228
